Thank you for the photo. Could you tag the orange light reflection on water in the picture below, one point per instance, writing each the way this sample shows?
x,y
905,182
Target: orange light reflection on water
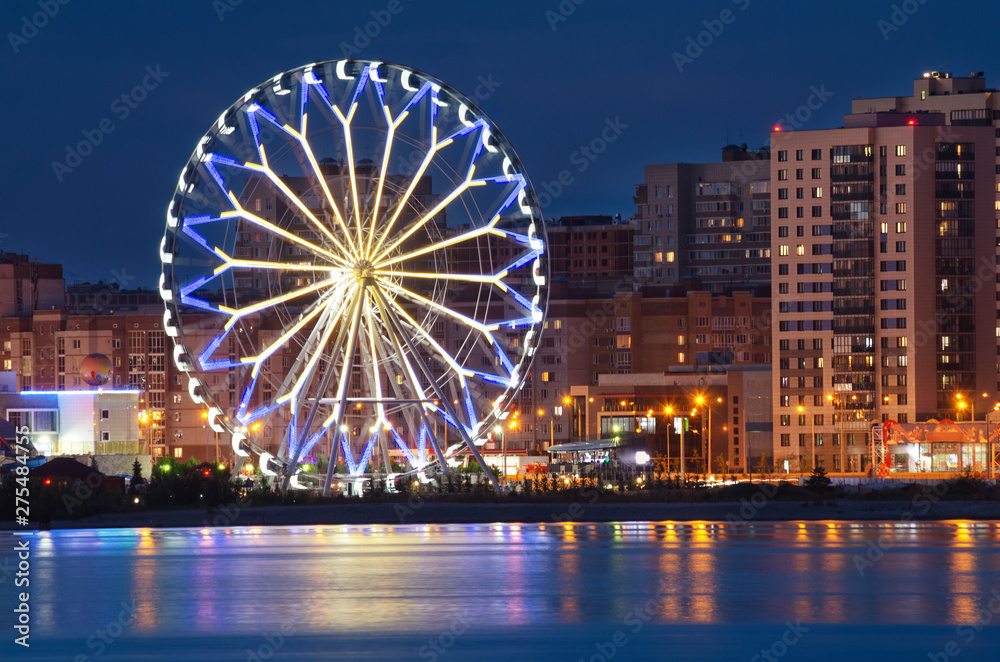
x,y
143,582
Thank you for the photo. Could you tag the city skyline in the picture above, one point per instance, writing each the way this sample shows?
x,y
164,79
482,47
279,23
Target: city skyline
x,y
632,113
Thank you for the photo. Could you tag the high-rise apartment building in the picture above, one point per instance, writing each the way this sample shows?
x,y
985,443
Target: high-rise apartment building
x,y
705,221
884,280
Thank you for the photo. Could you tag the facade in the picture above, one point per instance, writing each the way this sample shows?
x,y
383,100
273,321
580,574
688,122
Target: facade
x,y
736,434
884,280
590,248
45,351
963,102
705,221
76,422
589,338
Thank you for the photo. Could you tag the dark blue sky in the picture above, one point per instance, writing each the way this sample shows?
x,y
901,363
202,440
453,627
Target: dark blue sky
x,y
557,87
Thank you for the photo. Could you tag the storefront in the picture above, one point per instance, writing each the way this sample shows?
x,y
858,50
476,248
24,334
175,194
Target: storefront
x,y
939,446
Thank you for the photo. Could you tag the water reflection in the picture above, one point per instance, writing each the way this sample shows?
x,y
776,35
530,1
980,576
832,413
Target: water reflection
x,y
368,578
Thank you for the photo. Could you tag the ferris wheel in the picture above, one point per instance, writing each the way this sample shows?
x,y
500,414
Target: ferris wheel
x,y
354,266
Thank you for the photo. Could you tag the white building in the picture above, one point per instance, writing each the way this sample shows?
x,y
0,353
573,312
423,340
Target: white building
x,y
76,422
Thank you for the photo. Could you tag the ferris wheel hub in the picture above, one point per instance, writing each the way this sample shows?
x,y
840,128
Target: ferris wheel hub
x,y
364,272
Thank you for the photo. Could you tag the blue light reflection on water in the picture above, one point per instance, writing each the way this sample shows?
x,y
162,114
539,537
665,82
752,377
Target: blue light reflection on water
x,y
526,578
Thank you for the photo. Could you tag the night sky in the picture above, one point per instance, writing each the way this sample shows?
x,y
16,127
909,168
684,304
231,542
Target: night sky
x,y
550,79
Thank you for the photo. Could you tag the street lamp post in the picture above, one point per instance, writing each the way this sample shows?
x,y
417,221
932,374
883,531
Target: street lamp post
x,y
682,454
701,400
669,412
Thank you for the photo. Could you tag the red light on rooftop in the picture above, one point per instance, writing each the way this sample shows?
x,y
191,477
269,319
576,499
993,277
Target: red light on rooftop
x,y
777,128
912,122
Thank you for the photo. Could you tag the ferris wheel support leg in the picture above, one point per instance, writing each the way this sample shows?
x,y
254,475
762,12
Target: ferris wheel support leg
x,y
370,358
309,347
345,380
325,384
395,334
408,414
445,403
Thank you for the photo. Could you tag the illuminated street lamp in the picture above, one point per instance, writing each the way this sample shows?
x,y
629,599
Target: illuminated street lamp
x,y
708,456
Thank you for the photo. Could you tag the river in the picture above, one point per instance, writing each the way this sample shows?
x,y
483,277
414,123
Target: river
x,y
594,592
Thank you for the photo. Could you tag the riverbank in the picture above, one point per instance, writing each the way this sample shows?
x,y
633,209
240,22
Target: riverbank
x,y
428,512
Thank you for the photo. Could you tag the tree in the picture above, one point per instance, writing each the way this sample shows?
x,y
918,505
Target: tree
x,y
720,460
136,477
806,465
818,481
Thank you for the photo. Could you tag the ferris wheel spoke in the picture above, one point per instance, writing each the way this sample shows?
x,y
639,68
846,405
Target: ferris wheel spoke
x,y
235,314
240,212
373,361
405,198
345,122
428,339
265,170
258,360
236,263
311,157
489,341
461,373
310,346
462,188
467,184
501,357
489,228
468,278
324,348
427,303
386,153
